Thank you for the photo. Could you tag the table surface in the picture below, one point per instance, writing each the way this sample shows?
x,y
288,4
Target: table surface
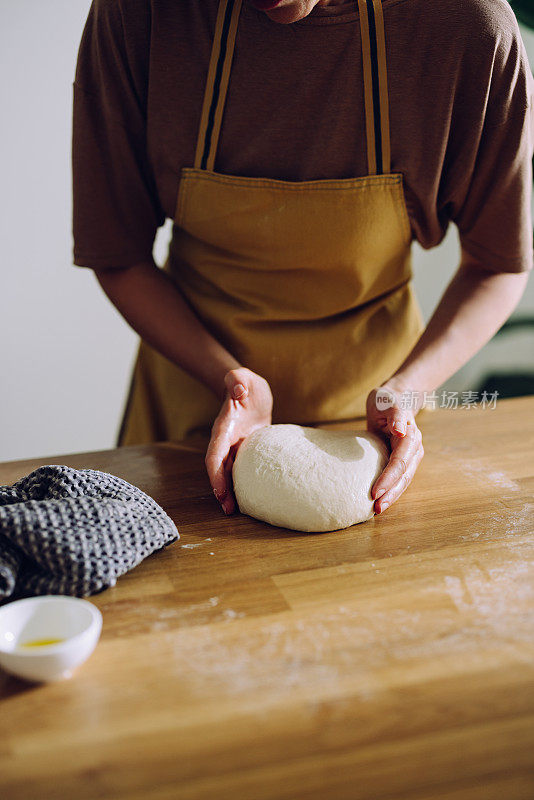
x,y
393,660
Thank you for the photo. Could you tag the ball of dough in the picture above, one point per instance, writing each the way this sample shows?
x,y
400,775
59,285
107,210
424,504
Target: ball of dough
x,y
308,479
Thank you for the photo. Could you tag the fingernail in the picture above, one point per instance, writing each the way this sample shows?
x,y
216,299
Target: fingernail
x,y
383,507
239,390
379,493
400,428
226,509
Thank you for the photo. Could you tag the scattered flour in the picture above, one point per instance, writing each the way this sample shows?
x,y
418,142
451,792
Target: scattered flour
x,y
356,643
501,480
229,613
192,545
477,471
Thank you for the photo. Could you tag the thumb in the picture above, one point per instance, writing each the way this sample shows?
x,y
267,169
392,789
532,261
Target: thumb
x,y
236,387
397,421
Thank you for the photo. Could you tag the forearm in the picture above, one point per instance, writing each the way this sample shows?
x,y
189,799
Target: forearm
x,y
474,306
151,303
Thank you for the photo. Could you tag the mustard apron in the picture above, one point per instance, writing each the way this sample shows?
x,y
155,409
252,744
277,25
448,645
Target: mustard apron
x,y
305,283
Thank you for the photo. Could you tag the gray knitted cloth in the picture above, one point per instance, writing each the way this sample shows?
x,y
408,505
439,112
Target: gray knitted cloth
x,y
75,531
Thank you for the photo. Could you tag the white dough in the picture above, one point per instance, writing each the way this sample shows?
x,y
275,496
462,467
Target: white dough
x,y
308,479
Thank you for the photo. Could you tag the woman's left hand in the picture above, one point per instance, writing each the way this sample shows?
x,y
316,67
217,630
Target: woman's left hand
x,y
399,426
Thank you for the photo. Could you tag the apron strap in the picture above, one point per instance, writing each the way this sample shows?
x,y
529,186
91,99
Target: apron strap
x,y
222,52
375,86
374,77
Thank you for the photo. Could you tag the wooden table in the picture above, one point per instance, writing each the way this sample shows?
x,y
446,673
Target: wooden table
x,y
393,660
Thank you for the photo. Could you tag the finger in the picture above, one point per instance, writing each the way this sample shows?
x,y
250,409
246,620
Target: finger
x,y
216,455
399,421
236,386
402,450
375,424
230,501
402,484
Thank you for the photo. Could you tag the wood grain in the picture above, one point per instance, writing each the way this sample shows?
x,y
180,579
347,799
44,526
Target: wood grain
x,y
390,661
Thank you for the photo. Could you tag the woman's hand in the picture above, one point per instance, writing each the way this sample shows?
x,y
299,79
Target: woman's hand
x,y
399,425
248,405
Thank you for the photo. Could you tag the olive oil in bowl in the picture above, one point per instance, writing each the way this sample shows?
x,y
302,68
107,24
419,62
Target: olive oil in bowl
x,y
41,642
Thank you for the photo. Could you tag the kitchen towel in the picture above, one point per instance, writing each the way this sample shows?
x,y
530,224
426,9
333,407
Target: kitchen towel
x,y
75,531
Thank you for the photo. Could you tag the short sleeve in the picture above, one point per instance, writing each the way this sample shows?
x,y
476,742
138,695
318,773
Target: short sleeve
x,y
116,210
491,201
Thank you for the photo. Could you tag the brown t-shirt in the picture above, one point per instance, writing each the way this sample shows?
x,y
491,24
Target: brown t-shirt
x,y
460,103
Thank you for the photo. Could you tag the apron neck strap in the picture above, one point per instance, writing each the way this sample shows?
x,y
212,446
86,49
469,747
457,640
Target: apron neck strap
x,y
374,78
222,52
375,83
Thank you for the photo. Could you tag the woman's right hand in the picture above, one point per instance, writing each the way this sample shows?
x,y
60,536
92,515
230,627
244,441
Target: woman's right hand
x,y
248,405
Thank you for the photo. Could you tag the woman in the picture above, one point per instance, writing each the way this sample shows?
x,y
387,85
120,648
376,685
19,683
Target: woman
x,y
299,147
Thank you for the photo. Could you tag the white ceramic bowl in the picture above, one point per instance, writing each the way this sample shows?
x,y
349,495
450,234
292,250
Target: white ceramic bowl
x,y
75,622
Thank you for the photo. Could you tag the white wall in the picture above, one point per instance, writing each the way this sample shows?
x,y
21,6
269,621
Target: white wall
x,y
65,353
